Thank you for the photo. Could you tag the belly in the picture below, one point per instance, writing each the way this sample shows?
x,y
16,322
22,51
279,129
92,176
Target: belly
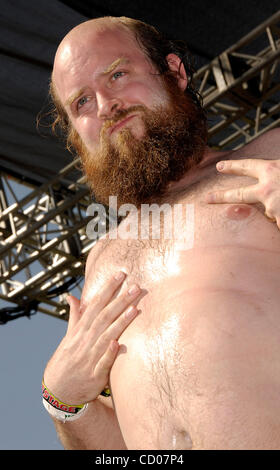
x,y
190,355
202,345
197,338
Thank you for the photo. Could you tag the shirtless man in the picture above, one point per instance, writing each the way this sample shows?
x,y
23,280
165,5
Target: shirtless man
x,y
195,364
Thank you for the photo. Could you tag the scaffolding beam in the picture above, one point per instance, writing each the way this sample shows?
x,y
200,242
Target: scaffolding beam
x,y
241,87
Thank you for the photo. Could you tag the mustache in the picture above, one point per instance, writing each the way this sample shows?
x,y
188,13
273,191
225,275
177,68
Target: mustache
x,y
119,116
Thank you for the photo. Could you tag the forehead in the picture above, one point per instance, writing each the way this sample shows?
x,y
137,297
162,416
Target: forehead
x,y
94,49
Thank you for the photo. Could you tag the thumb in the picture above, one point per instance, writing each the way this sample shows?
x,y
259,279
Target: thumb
x,y
74,312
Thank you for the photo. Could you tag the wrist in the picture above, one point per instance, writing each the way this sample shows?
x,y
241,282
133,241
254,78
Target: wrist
x,y
60,410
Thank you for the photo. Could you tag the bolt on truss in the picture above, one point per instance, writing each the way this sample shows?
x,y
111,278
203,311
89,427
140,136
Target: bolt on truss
x,y
43,239
241,87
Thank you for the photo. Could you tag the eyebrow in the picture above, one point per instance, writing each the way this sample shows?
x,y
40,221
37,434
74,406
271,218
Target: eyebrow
x,y
107,71
115,64
74,96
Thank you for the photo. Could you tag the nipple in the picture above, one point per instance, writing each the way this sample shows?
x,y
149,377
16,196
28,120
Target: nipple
x,y
238,211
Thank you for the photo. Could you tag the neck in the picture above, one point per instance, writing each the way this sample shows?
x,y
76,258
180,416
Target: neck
x,y
210,157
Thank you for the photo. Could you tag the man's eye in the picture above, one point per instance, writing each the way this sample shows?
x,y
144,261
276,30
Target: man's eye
x,y
82,101
117,75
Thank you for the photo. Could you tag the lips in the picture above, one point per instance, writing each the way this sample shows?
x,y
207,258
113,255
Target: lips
x,y
120,124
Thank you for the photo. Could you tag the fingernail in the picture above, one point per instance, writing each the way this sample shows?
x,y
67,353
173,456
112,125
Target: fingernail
x,y
220,165
133,290
119,276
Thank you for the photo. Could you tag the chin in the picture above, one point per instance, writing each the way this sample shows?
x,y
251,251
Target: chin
x,y
136,128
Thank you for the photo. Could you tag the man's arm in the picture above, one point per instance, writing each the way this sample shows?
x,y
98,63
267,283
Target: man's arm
x,y
79,369
97,429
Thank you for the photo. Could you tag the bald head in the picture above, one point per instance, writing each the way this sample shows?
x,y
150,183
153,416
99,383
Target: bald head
x,y
93,47
86,28
100,24
80,36
87,37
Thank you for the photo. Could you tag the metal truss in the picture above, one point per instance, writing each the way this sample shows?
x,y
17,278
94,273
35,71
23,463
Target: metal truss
x,y
43,238
43,242
241,87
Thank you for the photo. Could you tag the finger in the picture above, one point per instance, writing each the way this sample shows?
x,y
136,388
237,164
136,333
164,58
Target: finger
x,y
104,366
244,195
113,333
74,312
120,304
270,216
107,292
246,167
117,328
117,307
103,298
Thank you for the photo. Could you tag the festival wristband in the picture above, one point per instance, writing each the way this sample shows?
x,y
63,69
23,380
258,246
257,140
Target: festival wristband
x,y
106,392
60,410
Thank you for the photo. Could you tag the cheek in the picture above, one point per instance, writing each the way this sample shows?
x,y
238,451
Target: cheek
x,y
88,129
148,93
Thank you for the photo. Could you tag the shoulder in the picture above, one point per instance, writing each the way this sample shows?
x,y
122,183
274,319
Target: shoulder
x,y
96,251
272,134
269,138
266,146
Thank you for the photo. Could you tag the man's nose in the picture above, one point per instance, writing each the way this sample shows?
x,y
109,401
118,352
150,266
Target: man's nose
x,y
108,106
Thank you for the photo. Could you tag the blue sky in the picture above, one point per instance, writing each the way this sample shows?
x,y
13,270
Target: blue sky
x,y
25,347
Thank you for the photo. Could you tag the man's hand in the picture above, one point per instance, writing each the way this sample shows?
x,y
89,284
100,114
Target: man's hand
x,y
266,190
79,369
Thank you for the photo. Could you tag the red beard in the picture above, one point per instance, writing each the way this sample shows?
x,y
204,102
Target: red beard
x,y
138,171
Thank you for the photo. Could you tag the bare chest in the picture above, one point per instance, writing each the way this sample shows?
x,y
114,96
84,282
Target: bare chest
x,y
229,247
158,246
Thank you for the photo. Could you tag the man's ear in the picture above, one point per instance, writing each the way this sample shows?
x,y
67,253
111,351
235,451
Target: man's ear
x,y
176,66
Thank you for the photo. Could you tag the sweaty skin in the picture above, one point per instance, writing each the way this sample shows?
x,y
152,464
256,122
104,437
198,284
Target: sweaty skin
x,y
199,367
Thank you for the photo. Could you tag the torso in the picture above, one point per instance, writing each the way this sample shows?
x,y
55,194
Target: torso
x,y
207,339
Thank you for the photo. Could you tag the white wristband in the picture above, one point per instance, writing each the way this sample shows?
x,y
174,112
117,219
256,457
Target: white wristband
x,y
63,415
60,410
